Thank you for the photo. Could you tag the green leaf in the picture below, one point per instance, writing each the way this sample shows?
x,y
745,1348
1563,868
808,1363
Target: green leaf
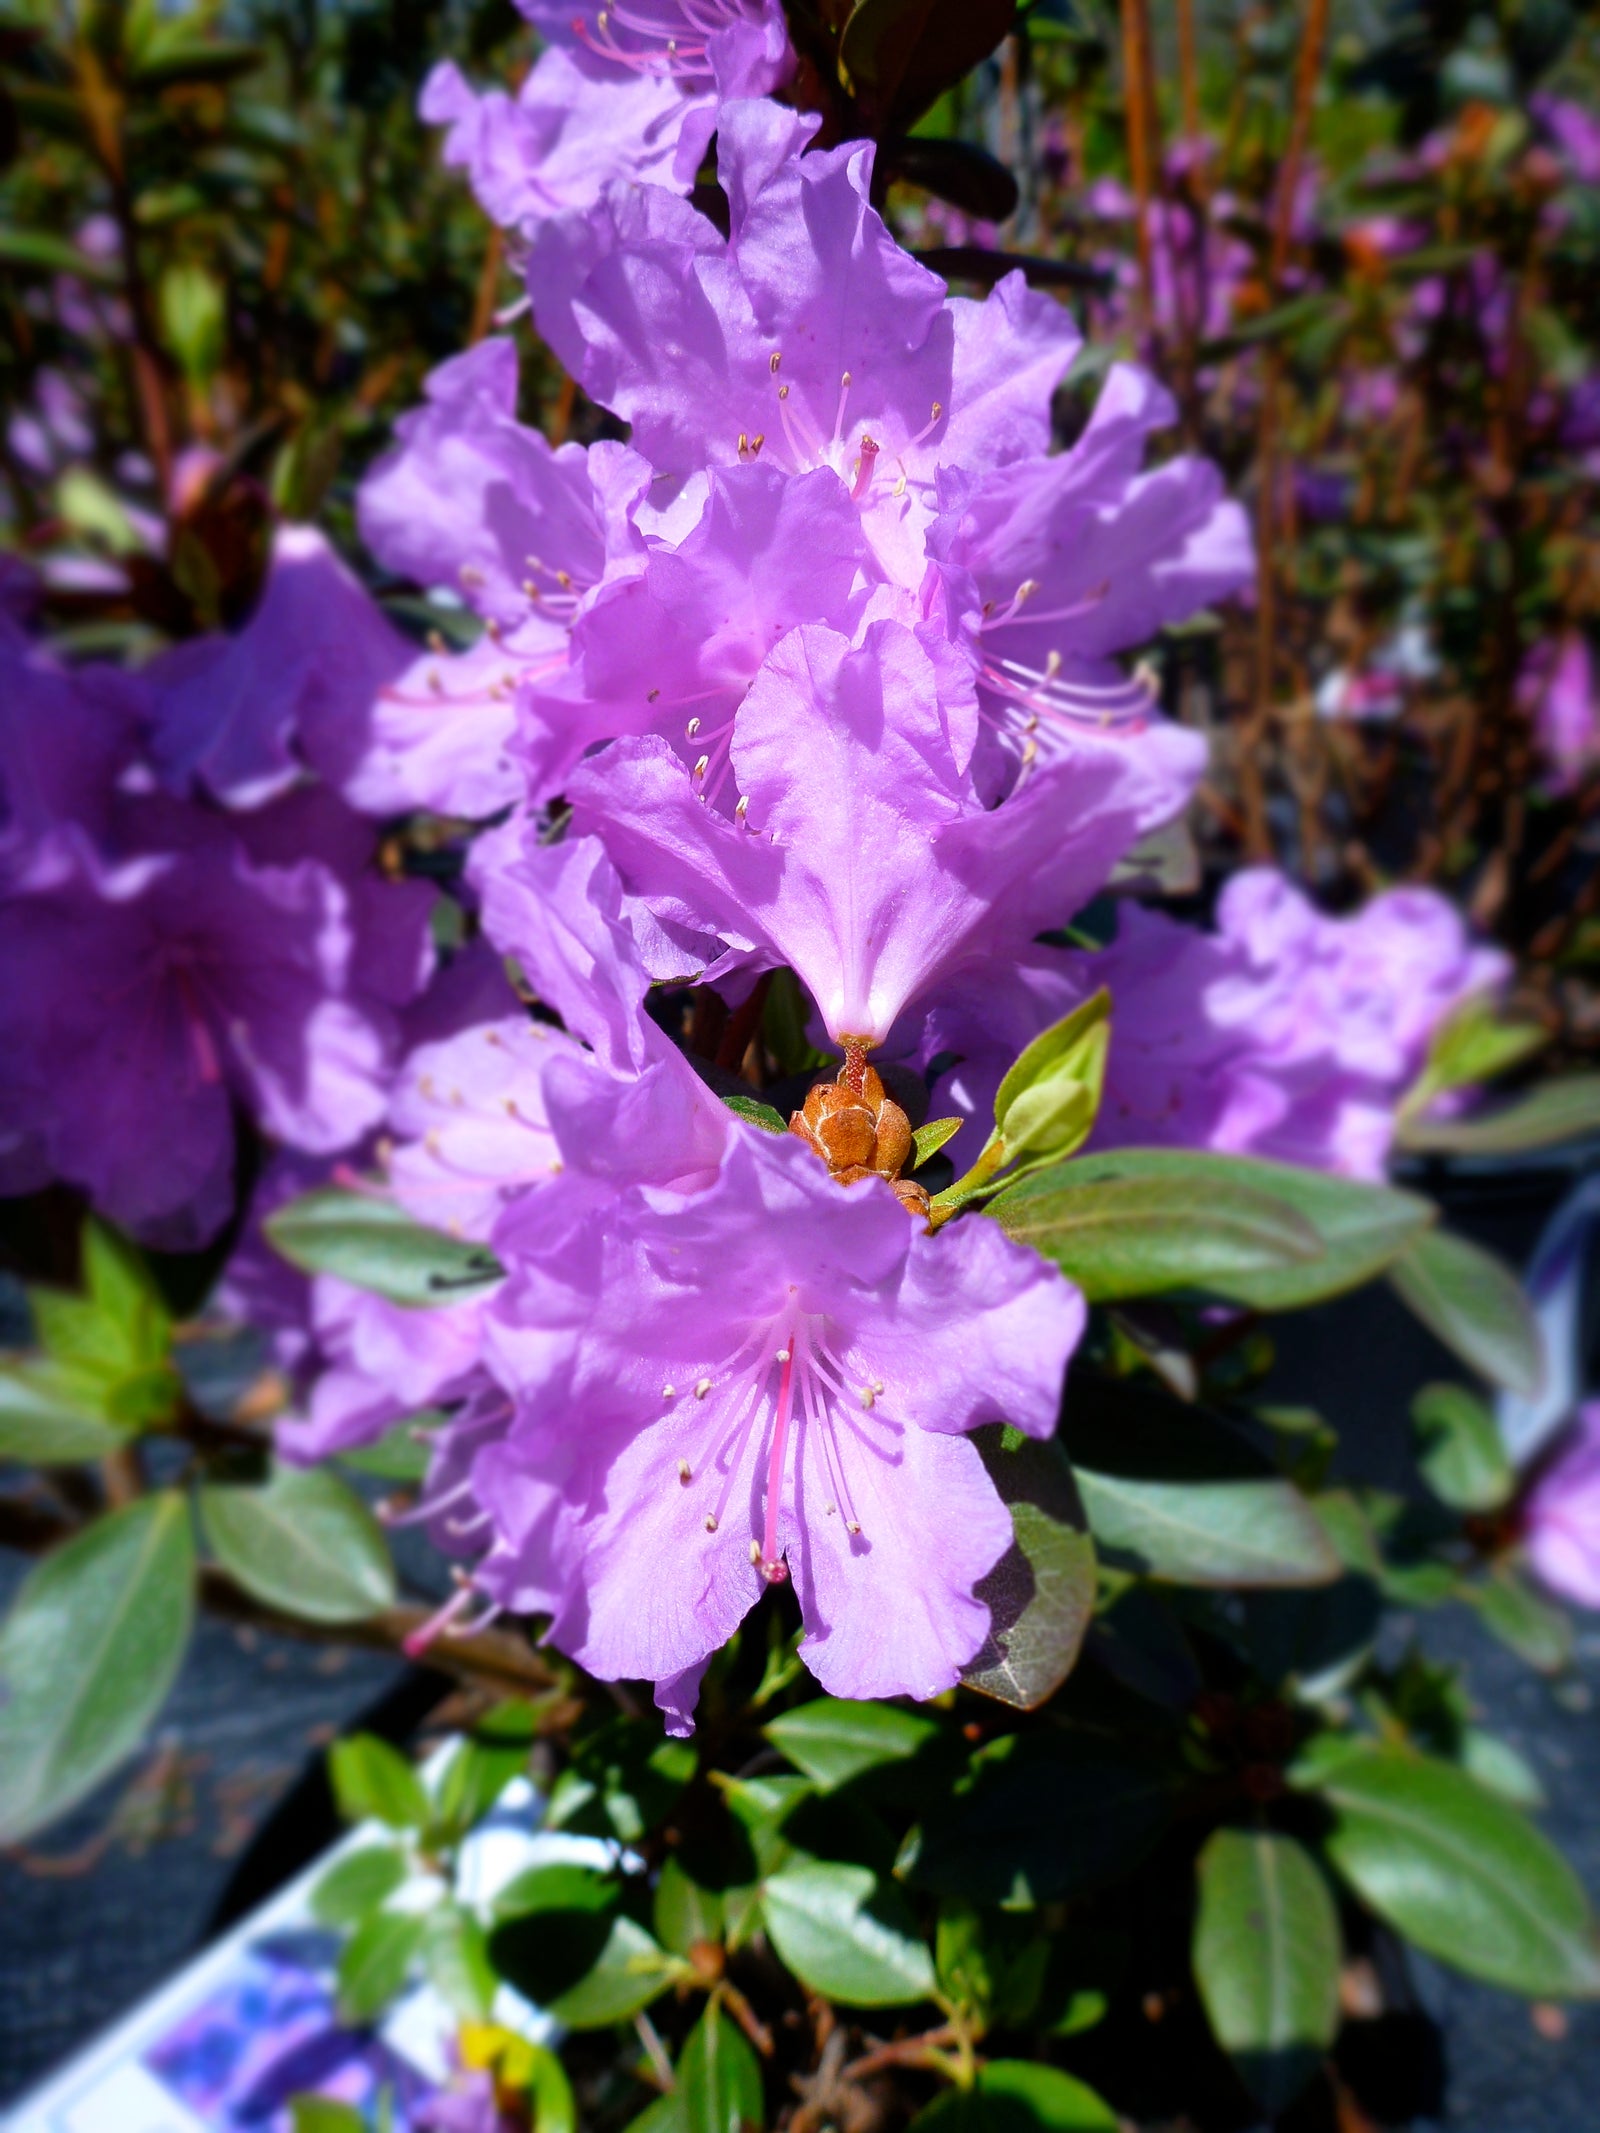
x,y
358,1883
1470,1046
303,1542
630,1971
1463,1459
1500,1769
376,1962
373,1782
927,1140
1017,2096
483,1763
1474,1304
1255,1533
1460,1873
43,1424
401,1453
719,2077
120,1286
321,2114
756,1113
1360,1228
846,1934
1118,1237
555,2108
1040,1594
1564,1109
456,1955
834,1741
373,1244
88,1654
47,253
684,1912
1037,1818
621,1783
1266,1959
1530,1626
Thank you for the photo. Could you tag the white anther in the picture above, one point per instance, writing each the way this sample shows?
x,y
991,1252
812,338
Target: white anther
x,y
669,1392
711,1521
755,1551
691,729
701,1387
783,1355
743,807
774,360
702,766
1052,666
867,1396
684,1472
852,1525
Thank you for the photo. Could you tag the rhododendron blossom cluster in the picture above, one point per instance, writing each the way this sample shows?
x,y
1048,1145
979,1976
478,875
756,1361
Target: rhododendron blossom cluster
x,y
829,669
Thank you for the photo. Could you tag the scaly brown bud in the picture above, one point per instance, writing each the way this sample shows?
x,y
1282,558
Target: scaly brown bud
x,y
859,1131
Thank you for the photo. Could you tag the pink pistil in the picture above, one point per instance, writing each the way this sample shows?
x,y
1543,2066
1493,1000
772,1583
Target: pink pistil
x,y
773,1567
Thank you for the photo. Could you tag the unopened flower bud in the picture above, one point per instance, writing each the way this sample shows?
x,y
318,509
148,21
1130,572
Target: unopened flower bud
x,y
858,1131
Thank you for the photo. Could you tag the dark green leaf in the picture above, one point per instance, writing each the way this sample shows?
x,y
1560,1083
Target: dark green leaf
x,y
374,1244
719,2077
88,1654
1460,1873
834,1741
629,1972
302,1542
43,1424
1463,1459
958,171
1565,1109
897,56
1470,1046
553,1926
357,1883
376,1962
374,1782
1040,1594
1038,1818
1474,1304
1137,1234
1266,1959
846,1934
622,1782
1360,1228
1017,2096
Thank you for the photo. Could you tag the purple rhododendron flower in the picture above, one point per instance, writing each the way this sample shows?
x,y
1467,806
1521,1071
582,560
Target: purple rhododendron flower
x,y
859,853
246,716
776,1378
144,992
1053,564
1283,1033
1562,1514
1558,689
470,501
807,338
66,736
628,94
